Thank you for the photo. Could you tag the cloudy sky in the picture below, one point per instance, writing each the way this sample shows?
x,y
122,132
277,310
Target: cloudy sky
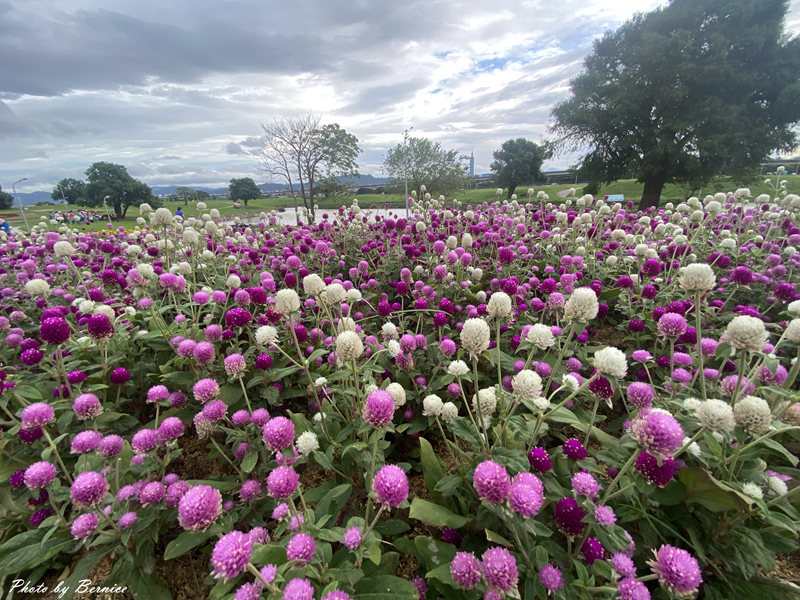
x,y
170,88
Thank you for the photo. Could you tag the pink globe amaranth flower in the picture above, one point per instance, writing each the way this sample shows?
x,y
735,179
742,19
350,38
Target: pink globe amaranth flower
x,y
746,387
144,440
672,325
466,570
641,356
259,535
37,415
240,418
677,570
278,433
203,352
658,472
500,568
298,589
539,459
574,449
39,475
54,330
525,499
623,565
170,429
157,393
640,394
568,516
205,390
592,550
250,490
390,486
199,507
551,578
235,365
237,317
378,408
120,375
99,326
584,484
260,416
175,491
85,441
152,493
76,377
280,512
263,361
301,548
352,538
87,406
88,488
282,482
336,595
630,588
110,445
604,515
84,525
491,481
128,520
231,554
248,591
186,348
214,411
658,432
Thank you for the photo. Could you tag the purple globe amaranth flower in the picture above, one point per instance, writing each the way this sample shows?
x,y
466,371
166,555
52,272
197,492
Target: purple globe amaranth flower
x,y
623,565
214,411
568,516
677,570
237,317
152,493
128,520
282,482
500,568
301,548
604,515
203,352
630,588
87,406
672,325
199,507
88,488
99,326
337,595
658,432
574,449
175,491
76,377
592,550
54,330
144,440
539,459
491,482
390,486
352,538
39,475
640,394
378,408
39,515
584,484
110,445
84,525
170,429
250,490
551,578
466,570
205,390
17,479
120,375
525,499
235,365
298,589
658,472
85,441
278,433
248,591
231,555
37,415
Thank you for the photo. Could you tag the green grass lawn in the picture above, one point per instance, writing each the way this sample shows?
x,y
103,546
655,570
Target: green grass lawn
x,y
629,187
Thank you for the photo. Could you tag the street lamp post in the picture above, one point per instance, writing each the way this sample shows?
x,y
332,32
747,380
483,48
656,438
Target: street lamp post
x,y
21,208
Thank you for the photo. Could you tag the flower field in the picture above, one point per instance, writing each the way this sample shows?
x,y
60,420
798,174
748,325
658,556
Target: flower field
x,y
538,398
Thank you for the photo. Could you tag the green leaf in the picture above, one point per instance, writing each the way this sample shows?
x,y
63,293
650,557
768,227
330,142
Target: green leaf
x,y
703,489
441,573
249,462
496,538
334,501
147,587
432,470
435,515
385,587
185,542
268,553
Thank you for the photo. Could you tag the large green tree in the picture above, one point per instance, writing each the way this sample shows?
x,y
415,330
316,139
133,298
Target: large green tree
x,y
519,161
686,92
109,182
71,191
424,162
6,199
244,189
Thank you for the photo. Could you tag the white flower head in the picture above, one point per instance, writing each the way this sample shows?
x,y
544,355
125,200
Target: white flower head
x,y
541,336
570,382
697,278
432,406
449,411
307,443
611,361
398,393
349,346
457,368
486,402
475,336
753,490
582,305
753,415
716,415
266,335
746,333
37,287
287,301
499,306
313,284
527,384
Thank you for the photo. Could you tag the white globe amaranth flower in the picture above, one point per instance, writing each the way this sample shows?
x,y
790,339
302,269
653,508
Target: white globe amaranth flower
x,y
389,331
37,287
266,335
486,402
611,361
349,346
697,278
353,295
527,384
333,293
794,308
233,281
753,490
716,415
307,443
145,208
63,248
570,382
457,368
693,448
777,485
582,305
432,406
161,217
792,332
393,346
86,306
753,415
449,411
320,382
692,404
541,336
745,333
397,392
287,301
313,284
475,336
346,324
190,237
105,309
499,306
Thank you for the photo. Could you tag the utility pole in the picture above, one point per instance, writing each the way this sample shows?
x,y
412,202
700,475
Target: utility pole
x,y
405,167
21,208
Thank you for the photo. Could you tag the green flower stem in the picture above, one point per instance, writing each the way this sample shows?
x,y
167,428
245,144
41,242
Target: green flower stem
x,y
472,418
625,468
739,375
591,421
688,443
58,454
479,409
246,397
698,330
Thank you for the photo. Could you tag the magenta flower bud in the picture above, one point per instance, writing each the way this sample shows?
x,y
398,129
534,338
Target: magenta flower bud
x,y
278,433
301,548
282,482
199,507
491,482
88,488
390,486
378,408
87,406
231,555
39,475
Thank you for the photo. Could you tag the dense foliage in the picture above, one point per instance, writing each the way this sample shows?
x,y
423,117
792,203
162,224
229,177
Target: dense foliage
x,y
526,399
